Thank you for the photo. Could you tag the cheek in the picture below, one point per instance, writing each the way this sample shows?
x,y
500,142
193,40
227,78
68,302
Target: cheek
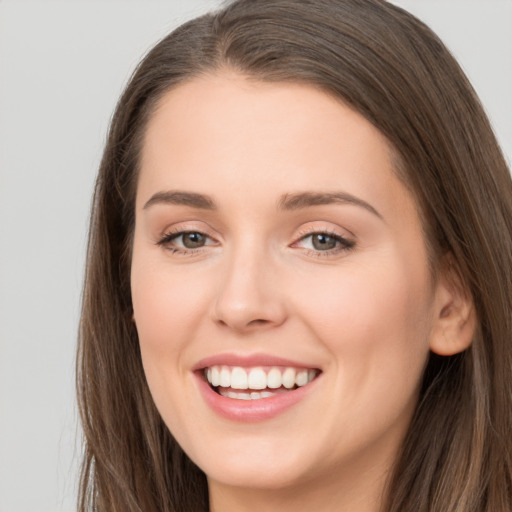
x,y
374,319
165,302
168,309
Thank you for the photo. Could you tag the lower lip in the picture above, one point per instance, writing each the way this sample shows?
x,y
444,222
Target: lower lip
x,y
252,410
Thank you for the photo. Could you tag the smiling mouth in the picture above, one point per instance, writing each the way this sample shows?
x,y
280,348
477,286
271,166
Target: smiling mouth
x,y
258,382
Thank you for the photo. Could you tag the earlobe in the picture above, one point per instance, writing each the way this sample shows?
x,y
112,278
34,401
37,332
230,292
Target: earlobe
x,y
454,321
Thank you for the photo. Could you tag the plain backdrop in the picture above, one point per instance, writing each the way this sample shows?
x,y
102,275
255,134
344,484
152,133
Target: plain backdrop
x,y
62,67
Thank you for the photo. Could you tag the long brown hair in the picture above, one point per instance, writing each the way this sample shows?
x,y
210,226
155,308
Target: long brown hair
x,y
393,70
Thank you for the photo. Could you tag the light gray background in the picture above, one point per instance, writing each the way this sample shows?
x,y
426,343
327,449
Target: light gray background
x,y
62,67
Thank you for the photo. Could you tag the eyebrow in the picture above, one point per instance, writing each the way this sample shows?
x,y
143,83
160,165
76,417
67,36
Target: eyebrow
x,y
295,201
306,199
182,198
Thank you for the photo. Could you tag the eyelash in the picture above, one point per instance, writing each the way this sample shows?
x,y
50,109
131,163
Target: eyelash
x,y
168,238
344,244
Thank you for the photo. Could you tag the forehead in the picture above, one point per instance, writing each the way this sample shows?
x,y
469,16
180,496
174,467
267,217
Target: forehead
x,y
222,133
218,104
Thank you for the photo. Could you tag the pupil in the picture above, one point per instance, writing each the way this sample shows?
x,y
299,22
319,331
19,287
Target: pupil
x,y
323,242
193,240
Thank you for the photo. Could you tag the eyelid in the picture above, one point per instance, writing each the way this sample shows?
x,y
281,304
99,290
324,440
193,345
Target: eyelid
x,y
167,236
328,228
178,234
345,243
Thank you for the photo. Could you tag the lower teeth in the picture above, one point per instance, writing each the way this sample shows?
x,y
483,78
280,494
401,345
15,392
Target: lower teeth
x,y
248,395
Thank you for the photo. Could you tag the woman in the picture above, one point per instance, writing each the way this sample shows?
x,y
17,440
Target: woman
x,y
298,290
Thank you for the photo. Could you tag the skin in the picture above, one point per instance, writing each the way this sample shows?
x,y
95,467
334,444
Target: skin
x,y
366,315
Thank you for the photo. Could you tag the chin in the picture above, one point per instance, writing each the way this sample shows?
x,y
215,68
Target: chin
x,y
244,473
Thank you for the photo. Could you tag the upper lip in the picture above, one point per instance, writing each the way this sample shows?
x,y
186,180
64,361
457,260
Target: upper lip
x,y
248,360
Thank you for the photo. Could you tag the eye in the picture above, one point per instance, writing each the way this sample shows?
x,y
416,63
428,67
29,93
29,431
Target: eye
x,y
184,241
324,242
192,240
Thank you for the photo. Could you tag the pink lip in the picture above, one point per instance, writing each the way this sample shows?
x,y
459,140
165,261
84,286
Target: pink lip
x,y
250,410
247,360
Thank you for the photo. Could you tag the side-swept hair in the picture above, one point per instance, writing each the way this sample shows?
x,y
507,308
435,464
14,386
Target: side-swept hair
x,y
391,68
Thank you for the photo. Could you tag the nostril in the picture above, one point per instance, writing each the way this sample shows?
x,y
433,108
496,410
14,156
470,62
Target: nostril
x,y
258,321
241,324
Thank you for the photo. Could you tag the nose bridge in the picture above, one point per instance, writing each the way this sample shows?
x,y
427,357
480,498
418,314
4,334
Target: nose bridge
x,y
247,296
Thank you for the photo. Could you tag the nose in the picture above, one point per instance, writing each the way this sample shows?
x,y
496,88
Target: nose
x,y
249,297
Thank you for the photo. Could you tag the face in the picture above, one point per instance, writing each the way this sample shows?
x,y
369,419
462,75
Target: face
x,y
277,255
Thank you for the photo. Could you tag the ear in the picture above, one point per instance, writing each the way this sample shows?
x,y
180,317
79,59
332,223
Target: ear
x,y
454,312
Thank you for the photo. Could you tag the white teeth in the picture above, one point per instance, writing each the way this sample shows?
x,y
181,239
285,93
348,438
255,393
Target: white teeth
x,y
274,380
257,379
238,378
225,377
289,378
254,395
301,379
215,375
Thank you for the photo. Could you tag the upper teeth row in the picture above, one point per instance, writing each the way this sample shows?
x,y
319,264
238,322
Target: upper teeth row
x,y
257,378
